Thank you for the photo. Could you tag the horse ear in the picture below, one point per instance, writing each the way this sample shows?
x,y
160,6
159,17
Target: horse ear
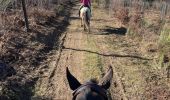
x,y
73,82
105,82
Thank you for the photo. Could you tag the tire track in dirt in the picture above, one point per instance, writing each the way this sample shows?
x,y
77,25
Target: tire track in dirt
x,y
117,91
53,84
71,59
118,81
68,58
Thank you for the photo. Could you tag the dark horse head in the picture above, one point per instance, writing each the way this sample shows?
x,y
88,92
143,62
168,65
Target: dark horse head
x,y
90,90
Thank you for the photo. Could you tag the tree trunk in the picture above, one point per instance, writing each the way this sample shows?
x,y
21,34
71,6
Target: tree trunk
x,y
25,15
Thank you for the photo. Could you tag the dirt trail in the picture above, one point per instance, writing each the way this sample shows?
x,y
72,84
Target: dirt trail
x,y
55,84
88,55
69,58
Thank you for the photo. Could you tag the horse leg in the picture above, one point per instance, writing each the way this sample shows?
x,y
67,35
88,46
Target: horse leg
x,y
84,21
84,24
88,26
87,22
81,22
84,27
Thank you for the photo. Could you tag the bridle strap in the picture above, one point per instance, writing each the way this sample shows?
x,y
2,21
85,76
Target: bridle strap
x,y
93,86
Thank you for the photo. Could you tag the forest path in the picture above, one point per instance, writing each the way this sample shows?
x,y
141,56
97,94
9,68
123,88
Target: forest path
x,y
88,56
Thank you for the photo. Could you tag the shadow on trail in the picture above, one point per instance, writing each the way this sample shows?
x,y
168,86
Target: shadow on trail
x,y
50,39
74,18
108,55
41,98
59,23
110,30
100,20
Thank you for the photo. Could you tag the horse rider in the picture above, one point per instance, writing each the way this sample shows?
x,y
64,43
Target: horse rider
x,y
85,3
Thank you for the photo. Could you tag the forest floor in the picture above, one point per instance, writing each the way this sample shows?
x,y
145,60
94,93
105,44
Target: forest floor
x,y
88,55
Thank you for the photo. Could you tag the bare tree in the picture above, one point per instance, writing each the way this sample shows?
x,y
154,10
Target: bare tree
x,y
25,15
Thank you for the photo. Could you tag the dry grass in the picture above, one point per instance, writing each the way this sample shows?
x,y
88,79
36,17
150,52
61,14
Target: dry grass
x,y
122,15
24,51
93,65
142,79
38,16
164,46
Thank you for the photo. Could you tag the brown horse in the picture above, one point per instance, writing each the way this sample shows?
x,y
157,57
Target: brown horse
x,y
85,15
91,90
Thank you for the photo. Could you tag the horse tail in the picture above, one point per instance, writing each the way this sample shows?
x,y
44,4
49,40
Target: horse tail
x,y
84,17
87,17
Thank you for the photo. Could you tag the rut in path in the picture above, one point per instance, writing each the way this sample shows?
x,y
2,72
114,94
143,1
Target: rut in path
x,y
55,84
88,55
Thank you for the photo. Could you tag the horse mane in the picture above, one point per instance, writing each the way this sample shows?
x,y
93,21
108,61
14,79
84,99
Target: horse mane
x,y
93,80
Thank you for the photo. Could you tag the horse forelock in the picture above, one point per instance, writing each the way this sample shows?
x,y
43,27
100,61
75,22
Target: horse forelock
x,y
92,81
90,90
